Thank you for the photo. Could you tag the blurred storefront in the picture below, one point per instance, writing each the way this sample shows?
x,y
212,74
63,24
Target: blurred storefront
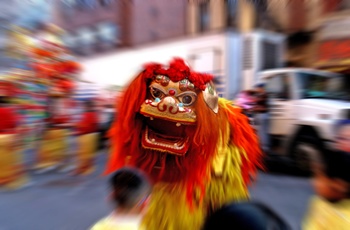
x,y
244,16
333,45
301,21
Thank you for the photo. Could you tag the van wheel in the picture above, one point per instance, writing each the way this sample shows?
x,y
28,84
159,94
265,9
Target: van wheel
x,y
306,152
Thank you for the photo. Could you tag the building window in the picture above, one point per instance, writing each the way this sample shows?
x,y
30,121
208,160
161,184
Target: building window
x,y
231,12
80,4
87,35
87,40
86,4
106,2
204,16
262,19
107,33
90,4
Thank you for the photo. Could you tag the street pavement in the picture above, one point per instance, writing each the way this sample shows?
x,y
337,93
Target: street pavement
x,y
58,201
287,195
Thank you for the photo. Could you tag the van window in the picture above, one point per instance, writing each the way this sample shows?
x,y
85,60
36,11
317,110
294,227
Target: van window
x,y
320,86
278,87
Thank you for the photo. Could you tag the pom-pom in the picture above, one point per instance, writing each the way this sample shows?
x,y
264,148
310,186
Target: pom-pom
x,y
177,71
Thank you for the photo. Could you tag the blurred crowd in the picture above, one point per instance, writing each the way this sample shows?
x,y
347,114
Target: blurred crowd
x,y
254,103
67,140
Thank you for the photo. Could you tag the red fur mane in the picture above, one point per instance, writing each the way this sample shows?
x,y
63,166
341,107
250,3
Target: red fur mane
x,y
193,169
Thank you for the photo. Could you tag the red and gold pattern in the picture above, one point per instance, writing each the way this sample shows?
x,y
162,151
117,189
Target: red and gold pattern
x,y
199,150
12,170
52,62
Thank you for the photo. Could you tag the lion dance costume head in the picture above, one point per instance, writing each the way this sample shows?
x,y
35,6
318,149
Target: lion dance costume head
x,y
172,125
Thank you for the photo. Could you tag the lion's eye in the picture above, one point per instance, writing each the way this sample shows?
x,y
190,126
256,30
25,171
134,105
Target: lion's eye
x,y
187,99
156,93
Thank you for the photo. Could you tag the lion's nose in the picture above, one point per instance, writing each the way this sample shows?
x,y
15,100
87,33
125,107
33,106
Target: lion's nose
x,y
168,104
169,101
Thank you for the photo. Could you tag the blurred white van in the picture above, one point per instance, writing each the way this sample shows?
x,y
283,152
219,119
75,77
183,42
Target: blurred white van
x,y
304,105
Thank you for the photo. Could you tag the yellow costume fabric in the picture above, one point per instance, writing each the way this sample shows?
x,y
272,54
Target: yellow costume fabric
x,y
12,172
323,215
87,146
53,149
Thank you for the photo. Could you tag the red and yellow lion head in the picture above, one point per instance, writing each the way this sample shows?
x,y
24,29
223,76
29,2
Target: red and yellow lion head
x,y
170,124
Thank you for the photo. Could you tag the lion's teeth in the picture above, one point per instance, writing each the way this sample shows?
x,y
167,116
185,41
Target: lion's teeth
x,y
178,124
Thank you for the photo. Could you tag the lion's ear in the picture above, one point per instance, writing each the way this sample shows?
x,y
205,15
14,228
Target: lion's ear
x,y
211,97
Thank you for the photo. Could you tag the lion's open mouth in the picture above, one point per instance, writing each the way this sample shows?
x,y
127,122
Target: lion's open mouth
x,y
165,136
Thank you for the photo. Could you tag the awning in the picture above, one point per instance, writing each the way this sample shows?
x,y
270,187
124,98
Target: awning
x,y
334,66
337,69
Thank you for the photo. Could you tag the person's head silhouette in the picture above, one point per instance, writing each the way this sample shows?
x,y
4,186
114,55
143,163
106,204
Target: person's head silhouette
x,y
245,216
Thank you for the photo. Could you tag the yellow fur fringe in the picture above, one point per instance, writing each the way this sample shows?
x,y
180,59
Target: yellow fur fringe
x,y
228,186
169,210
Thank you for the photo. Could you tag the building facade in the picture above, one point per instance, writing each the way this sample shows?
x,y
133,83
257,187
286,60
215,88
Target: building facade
x,y
333,42
97,26
302,21
299,20
240,15
91,26
156,20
